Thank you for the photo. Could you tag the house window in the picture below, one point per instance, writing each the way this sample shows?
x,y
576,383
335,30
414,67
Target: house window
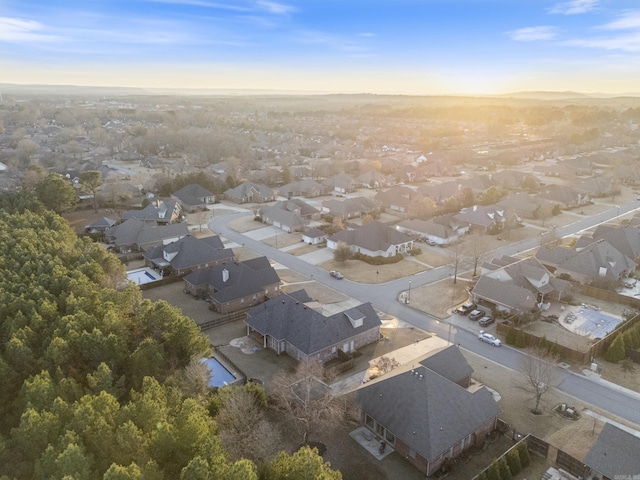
x,y
390,437
254,296
369,422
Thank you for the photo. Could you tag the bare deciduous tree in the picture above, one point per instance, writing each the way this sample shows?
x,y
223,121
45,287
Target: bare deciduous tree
x,y
306,399
539,372
243,429
478,246
455,252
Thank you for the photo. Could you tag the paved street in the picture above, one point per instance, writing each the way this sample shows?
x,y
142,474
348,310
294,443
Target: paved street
x,y
385,297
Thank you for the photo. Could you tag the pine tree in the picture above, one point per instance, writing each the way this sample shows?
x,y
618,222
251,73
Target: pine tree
x,y
615,352
523,452
513,459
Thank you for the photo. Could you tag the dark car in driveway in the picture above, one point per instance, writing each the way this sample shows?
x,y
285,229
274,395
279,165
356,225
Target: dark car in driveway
x,y
486,320
476,315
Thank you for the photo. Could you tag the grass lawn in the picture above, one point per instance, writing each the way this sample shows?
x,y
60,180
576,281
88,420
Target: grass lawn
x,y
358,271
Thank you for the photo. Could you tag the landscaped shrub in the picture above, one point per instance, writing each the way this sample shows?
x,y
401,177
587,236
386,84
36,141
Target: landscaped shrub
x,y
378,260
521,339
523,452
482,476
493,473
615,352
513,459
505,473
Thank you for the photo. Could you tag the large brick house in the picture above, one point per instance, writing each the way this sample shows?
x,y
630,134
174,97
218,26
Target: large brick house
x,y
428,410
234,286
296,325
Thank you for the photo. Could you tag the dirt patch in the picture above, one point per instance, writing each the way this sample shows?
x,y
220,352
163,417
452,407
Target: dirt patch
x,y
577,437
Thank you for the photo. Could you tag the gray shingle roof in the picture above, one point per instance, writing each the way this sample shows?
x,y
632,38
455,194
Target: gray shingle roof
x,y
374,236
191,252
139,232
250,277
615,453
192,194
450,363
425,410
288,318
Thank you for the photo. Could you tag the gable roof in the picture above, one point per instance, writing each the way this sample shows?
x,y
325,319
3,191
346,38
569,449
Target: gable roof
x,y
190,252
600,258
348,205
250,277
139,232
102,222
614,453
192,194
426,410
374,236
243,190
289,318
450,363
161,211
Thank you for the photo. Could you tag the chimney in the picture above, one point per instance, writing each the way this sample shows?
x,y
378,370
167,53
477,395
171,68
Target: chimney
x,y
225,275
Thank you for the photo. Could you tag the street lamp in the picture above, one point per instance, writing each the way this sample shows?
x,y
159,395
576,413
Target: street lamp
x,y
409,295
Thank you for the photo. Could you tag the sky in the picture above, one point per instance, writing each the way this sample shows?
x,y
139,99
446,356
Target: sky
x,y
414,47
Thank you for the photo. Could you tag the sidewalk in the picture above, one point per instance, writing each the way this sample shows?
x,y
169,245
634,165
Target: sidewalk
x,y
591,375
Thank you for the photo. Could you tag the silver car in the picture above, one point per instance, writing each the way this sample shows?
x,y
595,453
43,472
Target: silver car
x,y
487,337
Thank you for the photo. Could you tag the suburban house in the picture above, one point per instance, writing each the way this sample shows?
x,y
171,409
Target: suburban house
x,y
290,215
375,239
340,183
193,197
597,260
486,219
234,286
397,198
526,205
564,196
162,212
514,179
348,208
304,188
188,254
441,230
250,192
428,410
373,179
595,187
99,226
138,235
624,239
314,236
511,285
613,455
441,191
296,325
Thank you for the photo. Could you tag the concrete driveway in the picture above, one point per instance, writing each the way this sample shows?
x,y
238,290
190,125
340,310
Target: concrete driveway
x,y
317,257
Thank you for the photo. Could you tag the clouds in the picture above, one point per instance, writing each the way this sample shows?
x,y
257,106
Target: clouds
x,y
17,30
574,7
532,34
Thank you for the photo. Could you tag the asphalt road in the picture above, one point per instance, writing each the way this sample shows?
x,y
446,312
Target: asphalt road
x,y
385,298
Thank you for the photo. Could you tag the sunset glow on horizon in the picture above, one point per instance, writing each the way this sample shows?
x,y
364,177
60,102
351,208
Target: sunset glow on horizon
x,y
428,47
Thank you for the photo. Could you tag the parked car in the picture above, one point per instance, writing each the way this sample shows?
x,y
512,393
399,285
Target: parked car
x,y
486,320
476,315
335,274
488,338
466,308
431,242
